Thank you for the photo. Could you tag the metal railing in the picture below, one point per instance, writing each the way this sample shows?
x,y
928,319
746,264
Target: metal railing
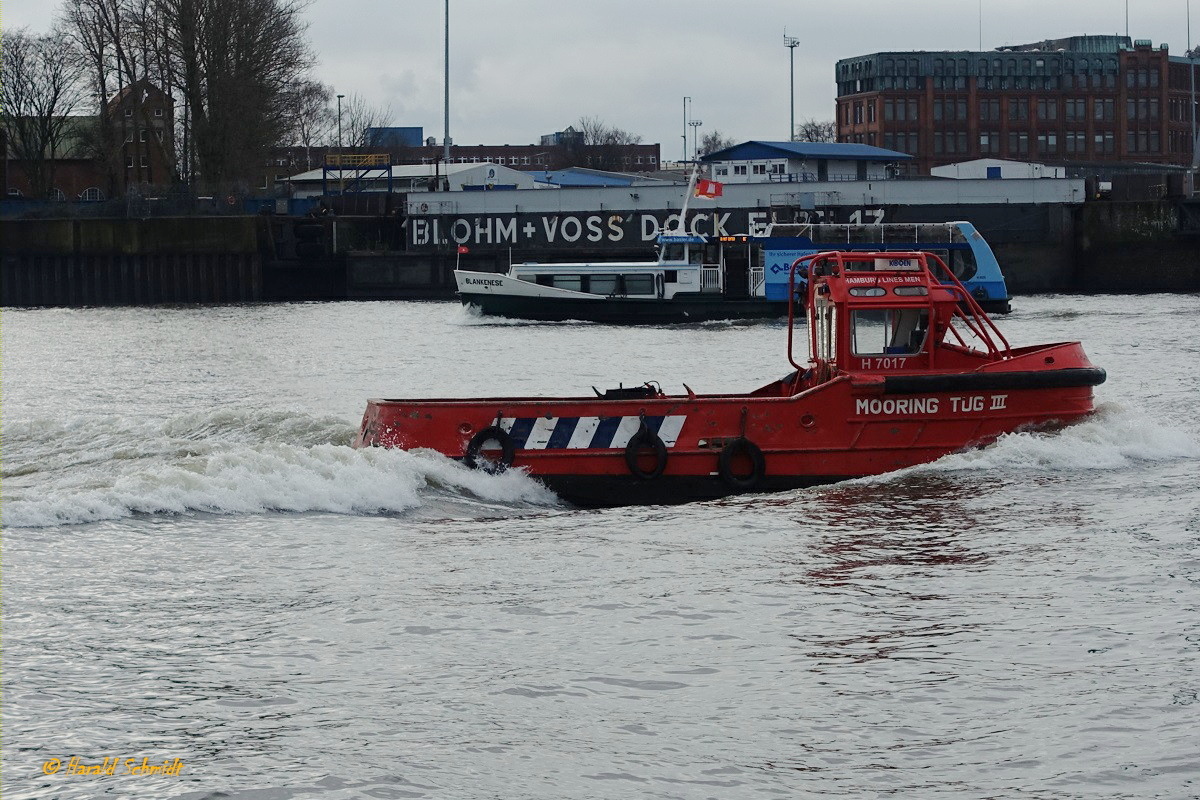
x,y
710,278
757,278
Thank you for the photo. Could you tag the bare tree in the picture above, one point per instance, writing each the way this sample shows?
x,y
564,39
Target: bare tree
x,y
813,130
235,61
311,121
713,141
358,116
596,132
39,90
602,144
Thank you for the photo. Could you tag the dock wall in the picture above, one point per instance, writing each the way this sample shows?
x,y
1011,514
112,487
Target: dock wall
x,y
1091,247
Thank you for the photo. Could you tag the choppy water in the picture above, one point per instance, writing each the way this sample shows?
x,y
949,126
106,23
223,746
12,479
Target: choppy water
x,y
196,566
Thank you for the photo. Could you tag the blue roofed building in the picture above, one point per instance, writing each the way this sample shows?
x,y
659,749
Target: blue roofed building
x,y
787,162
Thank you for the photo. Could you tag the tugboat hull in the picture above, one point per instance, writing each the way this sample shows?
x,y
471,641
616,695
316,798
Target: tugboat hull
x,y
903,369
586,450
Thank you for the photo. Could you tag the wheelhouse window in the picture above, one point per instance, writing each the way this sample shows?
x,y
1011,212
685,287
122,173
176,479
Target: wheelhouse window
x,y
888,331
675,252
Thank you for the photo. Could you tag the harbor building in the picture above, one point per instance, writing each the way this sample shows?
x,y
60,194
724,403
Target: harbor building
x,y
1098,99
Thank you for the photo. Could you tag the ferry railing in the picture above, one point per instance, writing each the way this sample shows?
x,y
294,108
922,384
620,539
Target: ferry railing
x,y
758,277
710,278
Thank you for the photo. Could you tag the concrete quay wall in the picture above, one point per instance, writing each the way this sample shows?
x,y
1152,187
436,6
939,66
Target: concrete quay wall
x,y
1091,247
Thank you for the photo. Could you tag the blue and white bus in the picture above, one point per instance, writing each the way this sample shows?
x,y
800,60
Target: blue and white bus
x,y
959,244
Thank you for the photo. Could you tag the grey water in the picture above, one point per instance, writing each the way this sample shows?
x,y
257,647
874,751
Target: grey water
x,y
198,568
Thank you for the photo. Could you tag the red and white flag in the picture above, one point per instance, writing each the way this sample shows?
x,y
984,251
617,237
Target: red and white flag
x,y
709,189
462,248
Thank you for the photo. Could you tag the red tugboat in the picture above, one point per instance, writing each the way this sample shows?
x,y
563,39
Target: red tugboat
x,y
905,367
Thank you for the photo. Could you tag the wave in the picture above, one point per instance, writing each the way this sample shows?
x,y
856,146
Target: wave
x,y
225,462
1113,438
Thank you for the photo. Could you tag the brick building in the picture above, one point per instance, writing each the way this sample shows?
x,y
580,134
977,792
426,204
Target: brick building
x,y
136,148
1082,98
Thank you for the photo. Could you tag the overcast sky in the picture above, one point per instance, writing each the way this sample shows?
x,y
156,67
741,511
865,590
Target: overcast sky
x,y
522,68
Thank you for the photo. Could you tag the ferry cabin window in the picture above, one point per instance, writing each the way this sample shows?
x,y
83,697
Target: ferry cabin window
x,y
639,285
572,282
890,331
603,284
962,264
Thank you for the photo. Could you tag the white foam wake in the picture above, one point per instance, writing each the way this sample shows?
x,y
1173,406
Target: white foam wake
x,y
230,463
1114,438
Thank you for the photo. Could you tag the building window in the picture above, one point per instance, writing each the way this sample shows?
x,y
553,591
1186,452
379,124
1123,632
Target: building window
x,y
158,112
1047,109
1076,142
989,110
91,194
525,160
142,161
1018,109
760,169
129,112
128,137
777,169
129,161
1018,143
1076,109
739,169
722,171
989,143
1047,144
1102,108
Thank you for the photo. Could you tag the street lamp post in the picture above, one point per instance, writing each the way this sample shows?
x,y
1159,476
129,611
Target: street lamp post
x,y
686,100
340,96
446,127
695,123
790,43
341,184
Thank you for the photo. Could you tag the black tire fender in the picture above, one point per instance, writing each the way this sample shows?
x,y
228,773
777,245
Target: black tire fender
x,y
492,433
646,438
731,450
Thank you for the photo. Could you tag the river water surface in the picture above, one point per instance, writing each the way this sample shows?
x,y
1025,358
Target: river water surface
x,y
197,567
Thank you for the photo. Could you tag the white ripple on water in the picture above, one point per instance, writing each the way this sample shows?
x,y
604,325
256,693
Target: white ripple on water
x,y
92,469
1114,438
231,462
